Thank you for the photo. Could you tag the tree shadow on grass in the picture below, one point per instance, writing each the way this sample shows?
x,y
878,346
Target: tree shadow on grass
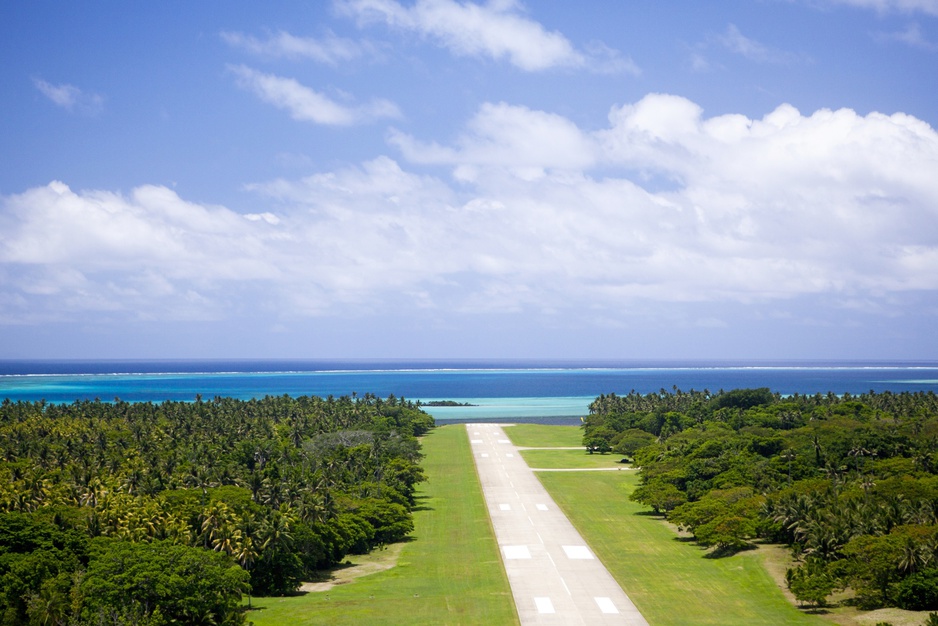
x,y
721,552
420,503
815,610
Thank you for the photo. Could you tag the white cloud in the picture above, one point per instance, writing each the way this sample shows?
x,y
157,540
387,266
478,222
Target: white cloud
x,y
911,36
308,105
70,97
833,204
509,137
929,7
734,41
497,30
330,50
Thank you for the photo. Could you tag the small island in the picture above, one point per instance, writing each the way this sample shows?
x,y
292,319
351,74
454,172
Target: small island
x,y
445,403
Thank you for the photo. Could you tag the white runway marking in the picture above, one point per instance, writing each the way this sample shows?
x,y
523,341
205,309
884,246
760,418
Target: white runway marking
x,y
544,605
606,606
477,434
504,507
578,552
503,441
484,455
475,441
565,586
541,507
516,552
510,455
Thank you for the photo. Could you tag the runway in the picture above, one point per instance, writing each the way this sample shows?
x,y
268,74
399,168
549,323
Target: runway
x,y
555,578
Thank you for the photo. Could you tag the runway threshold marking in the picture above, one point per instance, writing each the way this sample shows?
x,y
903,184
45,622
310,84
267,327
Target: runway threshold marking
x,y
606,606
578,552
544,605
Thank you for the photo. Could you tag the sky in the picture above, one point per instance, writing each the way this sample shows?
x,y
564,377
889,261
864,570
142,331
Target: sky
x,y
748,179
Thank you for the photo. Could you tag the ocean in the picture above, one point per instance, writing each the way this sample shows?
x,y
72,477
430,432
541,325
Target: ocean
x,y
546,391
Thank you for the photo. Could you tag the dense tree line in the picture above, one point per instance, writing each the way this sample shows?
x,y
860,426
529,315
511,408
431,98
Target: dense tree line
x,y
167,513
850,483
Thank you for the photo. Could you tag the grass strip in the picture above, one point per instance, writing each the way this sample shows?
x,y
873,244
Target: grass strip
x,y
571,459
450,573
669,580
544,436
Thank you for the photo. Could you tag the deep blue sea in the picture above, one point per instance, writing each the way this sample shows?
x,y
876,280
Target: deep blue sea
x,y
516,390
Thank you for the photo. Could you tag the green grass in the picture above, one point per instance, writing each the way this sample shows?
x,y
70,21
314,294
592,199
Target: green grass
x,y
451,573
670,581
570,459
543,436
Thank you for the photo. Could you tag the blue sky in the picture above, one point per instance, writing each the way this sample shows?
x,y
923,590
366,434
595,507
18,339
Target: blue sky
x,y
439,179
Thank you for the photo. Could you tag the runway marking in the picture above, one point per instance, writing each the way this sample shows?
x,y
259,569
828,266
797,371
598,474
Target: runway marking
x,y
577,552
606,606
516,552
531,520
504,507
477,434
485,455
539,536
541,507
475,441
565,586
510,455
544,605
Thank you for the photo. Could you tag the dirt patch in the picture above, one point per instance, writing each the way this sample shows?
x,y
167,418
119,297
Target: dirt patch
x,y
355,567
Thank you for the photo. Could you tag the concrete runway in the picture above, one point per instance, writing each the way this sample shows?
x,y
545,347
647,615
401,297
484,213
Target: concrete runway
x,y
554,576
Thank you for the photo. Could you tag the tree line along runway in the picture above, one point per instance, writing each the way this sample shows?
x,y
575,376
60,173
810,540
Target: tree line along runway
x,y
555,578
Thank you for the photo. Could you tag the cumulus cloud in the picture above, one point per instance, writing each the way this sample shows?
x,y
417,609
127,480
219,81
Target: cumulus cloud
x,y
509,137
308,105
496,30
147,252
330,50
70,97
550,217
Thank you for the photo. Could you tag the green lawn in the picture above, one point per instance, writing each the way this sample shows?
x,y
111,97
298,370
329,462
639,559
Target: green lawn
x,y
451,573
668,580
542,436
570,459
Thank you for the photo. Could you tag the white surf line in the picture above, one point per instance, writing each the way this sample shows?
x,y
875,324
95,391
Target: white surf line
x,y
554,576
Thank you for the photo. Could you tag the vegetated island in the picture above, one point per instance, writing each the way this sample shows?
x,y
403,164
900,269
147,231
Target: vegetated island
x,y
445,403
848,483
153,513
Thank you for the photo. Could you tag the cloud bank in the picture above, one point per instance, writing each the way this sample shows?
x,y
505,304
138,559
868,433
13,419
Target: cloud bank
x,y
524,211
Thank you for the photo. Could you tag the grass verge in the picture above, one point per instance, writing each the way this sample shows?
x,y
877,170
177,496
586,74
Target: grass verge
x,y
450,573
571,459
668,580
544,436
